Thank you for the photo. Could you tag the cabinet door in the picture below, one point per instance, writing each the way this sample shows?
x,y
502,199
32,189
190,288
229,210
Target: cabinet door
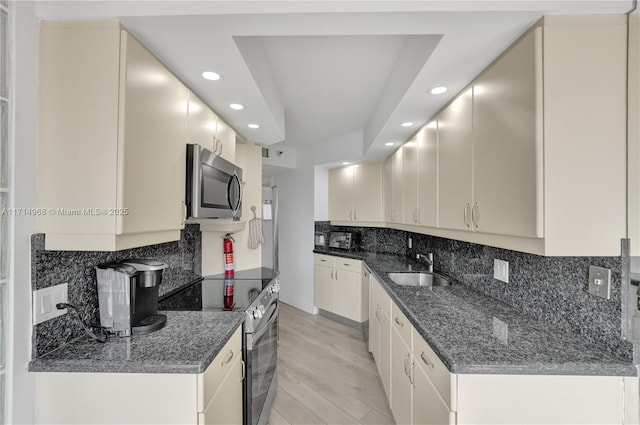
x,y
398,196
388,189
367,192
202,123
428,408
374,323
508,142
400,385
384,365
341,194
427,140
226,405
455,133
151,143
410,181
323,287
227,141
347,294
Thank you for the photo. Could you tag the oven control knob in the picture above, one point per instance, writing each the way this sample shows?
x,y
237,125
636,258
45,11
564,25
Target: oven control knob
x,y
257,314
275,288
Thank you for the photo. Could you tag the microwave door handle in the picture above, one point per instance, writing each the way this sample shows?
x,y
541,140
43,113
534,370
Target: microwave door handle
x,y
235,207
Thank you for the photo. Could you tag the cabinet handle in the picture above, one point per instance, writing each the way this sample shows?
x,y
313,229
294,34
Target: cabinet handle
x,y
324,261
350,214
411,374
475,217
184,214
221,146
355,215
332,274
406,368
417,215
243,370
392,215
426,360
378,314
466,215
399,322
346,264
231,354
337,275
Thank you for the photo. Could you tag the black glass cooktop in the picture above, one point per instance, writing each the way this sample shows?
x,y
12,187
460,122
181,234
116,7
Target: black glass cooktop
x,y
208,294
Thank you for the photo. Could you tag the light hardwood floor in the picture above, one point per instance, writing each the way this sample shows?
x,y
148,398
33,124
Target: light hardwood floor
x,y
325,374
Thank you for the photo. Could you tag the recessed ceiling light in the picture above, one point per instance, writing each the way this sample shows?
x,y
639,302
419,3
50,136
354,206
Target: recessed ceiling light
x,y
254,126
407,124
345,163
438,90
389,144
236,106
210,75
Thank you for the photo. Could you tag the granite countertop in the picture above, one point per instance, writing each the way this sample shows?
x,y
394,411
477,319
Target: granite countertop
x,y
457,322
188,344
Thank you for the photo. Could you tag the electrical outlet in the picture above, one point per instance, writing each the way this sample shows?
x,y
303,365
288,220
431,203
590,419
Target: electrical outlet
x,y
500,331
501,270
45,300
600,282
410,243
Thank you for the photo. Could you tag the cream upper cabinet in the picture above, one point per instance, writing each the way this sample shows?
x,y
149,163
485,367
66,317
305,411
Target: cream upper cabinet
x,y
355,193
112,134
507,142
455,161
202,123
398,185
427,210
410,181
388,188
210,131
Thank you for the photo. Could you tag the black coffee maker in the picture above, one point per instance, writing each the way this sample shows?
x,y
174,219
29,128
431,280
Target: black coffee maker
x,y
128,296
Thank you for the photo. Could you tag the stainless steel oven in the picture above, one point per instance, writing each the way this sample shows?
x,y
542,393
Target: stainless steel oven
x,y
256,293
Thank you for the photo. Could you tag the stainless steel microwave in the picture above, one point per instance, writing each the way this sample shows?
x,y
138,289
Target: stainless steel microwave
x,y
214,185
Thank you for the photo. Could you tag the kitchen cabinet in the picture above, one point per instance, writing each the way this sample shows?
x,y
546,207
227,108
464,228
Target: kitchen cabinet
x,y
112,134
355,193
380,332
209,130
424,391
455,161
420,178
211,397
339,287
401,370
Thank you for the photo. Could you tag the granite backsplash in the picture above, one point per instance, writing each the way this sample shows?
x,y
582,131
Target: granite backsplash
x,y
77,268
550,289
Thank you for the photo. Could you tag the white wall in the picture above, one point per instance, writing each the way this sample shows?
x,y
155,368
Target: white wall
x,y
20,388
321,190
296,210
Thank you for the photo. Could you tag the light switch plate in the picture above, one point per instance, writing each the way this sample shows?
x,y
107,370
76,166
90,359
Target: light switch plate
x,y
45,300
600,282
501,270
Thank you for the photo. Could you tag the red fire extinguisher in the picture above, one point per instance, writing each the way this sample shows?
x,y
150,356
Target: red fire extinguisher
x,y
228,255
227,247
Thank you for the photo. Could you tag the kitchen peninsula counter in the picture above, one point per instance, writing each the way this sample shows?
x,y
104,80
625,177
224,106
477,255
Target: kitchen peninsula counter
x,y
457,322
187,344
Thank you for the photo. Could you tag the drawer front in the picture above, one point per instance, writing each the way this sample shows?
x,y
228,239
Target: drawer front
x,y
323,260
210,380
401,324
437,372
348,264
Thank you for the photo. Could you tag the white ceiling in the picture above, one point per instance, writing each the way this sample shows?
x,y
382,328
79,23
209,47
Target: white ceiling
x,y
340,74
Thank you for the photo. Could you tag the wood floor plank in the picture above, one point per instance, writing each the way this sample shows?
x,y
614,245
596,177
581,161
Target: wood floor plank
x,y
292,411
376,418
337,394
312,400
333,362
275,418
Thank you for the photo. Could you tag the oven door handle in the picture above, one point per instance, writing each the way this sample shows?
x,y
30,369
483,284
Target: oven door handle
x,y
274,315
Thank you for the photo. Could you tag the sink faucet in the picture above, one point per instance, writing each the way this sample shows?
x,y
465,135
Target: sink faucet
x,y
427,259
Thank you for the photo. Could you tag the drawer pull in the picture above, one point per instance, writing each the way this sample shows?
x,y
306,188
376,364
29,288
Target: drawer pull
x,y
347,264
425,359
243,370
231,354
378,315
399,322
324,261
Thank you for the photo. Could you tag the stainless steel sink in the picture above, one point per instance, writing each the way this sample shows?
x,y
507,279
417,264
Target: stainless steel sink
x,y
419,279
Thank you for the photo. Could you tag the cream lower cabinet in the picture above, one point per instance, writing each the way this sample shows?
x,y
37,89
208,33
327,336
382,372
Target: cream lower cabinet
x,y
212,397
112,135
340,288
422,391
